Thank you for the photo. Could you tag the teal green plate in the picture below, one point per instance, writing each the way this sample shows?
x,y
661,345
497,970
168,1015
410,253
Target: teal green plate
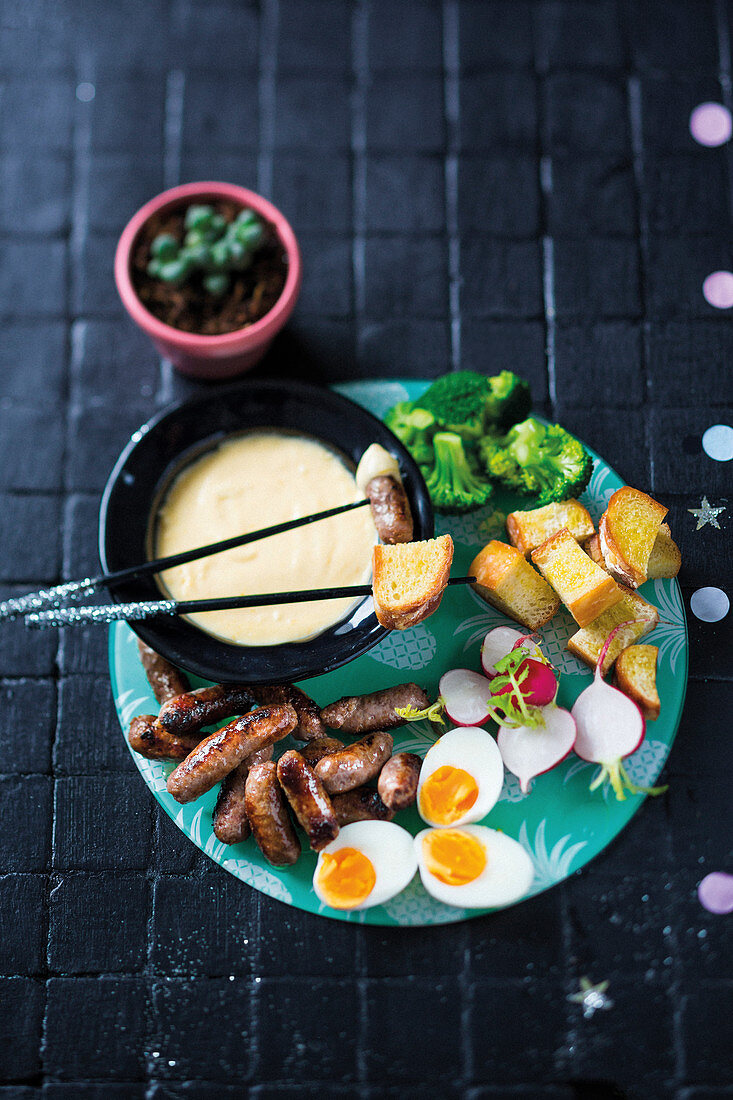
x,y
560,822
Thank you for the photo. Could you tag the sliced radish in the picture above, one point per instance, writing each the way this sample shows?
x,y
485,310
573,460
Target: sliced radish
x,y
537,683
530,751
610,727
466,696
497,643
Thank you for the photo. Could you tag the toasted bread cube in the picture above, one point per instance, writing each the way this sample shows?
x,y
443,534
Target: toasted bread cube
x,y
665,559
627,532
584,588
506,580
409,579
588,642
636,675
528,530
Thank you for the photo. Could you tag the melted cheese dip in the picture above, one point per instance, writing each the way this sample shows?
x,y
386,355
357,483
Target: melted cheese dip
x,y
254,481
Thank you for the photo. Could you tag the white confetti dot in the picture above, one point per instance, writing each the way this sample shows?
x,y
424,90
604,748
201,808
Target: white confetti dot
x,y
710,605
717,442
85,92
718,289
711,124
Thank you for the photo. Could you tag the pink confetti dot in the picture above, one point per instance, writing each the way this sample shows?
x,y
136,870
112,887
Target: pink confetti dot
x,y
711,124
716,892
718,289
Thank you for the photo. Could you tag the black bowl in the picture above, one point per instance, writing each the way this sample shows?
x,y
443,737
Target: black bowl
x,y
159,449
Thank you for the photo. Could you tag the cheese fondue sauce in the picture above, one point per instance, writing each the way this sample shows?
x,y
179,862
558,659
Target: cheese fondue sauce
x,y
254,481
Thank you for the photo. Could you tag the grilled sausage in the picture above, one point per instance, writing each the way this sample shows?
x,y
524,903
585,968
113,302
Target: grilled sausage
x,y
390,509
268,816
189,712
163,677
311,805
309,725
355,764
361,804
376,711
147,736
398,778
221,752
230,815
316,750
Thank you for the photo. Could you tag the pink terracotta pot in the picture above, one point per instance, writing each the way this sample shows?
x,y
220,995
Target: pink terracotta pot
x,y
210,356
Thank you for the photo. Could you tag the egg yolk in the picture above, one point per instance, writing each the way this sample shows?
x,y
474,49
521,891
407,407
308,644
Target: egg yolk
x,y
346,878
453,857
447,795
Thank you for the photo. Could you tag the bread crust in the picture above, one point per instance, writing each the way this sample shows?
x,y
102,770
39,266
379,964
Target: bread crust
x,y
410,612
616,559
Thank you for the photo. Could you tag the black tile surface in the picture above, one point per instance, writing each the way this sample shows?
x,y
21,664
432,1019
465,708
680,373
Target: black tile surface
x,y
474,183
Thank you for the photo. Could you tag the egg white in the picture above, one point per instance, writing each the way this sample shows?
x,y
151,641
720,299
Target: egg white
x,y
390,850
476,752
506,878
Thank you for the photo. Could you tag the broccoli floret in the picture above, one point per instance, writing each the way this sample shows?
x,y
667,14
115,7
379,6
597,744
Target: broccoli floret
x,y
415,428
509,399
453,485
545,461
458,401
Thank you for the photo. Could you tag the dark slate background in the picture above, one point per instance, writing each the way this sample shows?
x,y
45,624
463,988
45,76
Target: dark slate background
x,y
474,184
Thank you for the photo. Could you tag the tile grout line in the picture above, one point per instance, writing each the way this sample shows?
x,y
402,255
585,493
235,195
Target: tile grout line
x,y
546,240
451,105
637,155
77,238
360,72
173,107
267,91
726,83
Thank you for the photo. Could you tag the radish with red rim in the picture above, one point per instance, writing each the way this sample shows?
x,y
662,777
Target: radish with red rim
x,y
610,728
500,641
528,751
465,696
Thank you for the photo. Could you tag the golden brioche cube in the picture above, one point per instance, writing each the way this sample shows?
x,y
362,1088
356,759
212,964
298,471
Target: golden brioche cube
x,y
584,588
665,559
408,580
627,532
506,580
528,530
636,675
588,642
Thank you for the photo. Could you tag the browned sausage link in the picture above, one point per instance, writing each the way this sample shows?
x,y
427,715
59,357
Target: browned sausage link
x,y
311,805
229,819
221,752
163,677
316,750
361,804
355,764
390,509
376,711
147,736
309,725
230,815
187,713
268,816
398,778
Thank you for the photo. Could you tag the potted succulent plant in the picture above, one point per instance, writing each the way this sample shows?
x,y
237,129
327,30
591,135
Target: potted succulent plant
x,y
211,272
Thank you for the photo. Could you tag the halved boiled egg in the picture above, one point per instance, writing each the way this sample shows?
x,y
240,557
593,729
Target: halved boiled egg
x,y
460,779
368,863
473,867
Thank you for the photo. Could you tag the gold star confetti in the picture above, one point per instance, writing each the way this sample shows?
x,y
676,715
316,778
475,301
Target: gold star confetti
x,y
591,997
706,514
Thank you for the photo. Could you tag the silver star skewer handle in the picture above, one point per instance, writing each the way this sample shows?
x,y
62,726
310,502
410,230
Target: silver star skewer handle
x,y
108,613
46,597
